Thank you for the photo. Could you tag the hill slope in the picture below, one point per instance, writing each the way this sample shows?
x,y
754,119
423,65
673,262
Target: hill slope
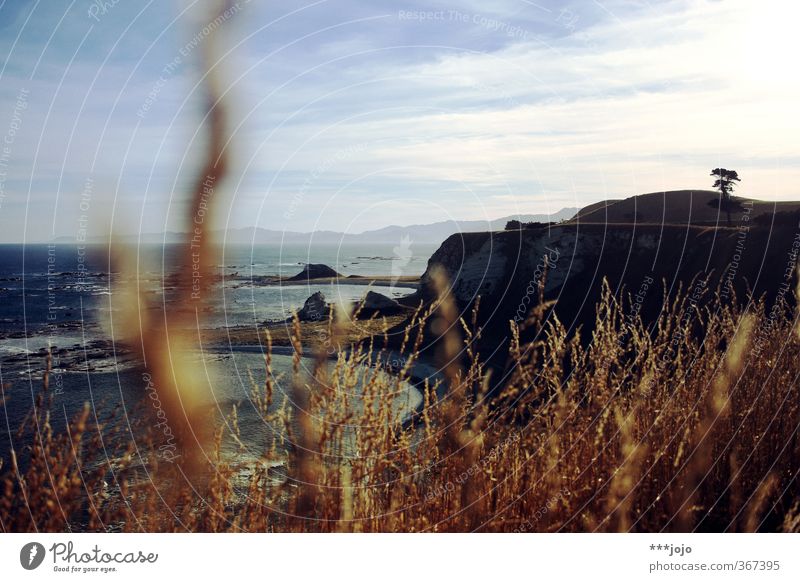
x,y
676,207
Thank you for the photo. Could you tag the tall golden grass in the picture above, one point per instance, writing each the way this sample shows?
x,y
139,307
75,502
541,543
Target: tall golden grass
x,y
690,424
631,431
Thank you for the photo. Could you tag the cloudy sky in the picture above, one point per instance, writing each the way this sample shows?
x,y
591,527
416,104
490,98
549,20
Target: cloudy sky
x,y
351,115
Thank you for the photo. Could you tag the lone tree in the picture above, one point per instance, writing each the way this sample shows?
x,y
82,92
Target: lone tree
x,y
725,183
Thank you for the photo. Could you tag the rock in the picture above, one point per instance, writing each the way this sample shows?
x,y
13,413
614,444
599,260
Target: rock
x,y
314,271
473,263
375,300
380,304
315,308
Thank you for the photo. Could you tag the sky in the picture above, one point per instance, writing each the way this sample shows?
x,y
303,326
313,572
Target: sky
x,y
350,116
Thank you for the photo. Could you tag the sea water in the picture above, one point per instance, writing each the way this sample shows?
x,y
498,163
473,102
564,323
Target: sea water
x,y
57,296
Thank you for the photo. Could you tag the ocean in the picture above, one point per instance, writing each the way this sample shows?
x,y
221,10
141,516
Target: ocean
x,y
57,297
43,285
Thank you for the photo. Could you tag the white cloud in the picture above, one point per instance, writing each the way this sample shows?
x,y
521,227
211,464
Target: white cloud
x,y
629,106
631,100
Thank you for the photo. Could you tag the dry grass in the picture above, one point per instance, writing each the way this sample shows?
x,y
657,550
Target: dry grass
x,y
313,334
636,432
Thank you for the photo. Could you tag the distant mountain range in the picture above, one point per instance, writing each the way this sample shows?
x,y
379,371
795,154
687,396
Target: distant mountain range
x,y
419,233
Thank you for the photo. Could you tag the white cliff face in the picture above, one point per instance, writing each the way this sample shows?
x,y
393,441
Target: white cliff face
x,y
481,272
507,268
570,264
570,254
504,264
557,252
486,264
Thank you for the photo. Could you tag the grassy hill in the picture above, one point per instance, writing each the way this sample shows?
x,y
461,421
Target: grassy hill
x,y
676,207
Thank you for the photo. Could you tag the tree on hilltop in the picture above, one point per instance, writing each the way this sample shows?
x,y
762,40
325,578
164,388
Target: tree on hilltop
x,y
726,180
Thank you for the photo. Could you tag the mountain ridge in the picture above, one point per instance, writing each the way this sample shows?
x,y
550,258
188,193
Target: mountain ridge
x,y
436,232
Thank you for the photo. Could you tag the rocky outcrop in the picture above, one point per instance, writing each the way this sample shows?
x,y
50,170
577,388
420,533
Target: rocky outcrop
x,y
568,264
474,264
315,308
315,271
377,304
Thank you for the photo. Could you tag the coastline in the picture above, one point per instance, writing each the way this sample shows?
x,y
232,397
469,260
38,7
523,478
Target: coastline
x,y
405,282
84,346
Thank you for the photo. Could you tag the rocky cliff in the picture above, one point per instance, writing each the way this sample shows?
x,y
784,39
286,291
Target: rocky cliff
x,y
570,261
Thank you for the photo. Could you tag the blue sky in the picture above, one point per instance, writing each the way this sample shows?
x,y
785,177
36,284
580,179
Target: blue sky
x,y
354,115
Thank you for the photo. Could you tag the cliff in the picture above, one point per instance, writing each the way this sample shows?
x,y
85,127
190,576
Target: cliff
x,y
639,261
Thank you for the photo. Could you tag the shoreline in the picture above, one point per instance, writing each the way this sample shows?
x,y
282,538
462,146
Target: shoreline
x,y
404,282
103,354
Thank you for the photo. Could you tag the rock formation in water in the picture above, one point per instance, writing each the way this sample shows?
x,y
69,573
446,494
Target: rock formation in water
x,y
377,304
315,308
315,271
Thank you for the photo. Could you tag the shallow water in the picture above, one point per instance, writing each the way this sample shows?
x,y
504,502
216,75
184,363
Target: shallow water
x,y
231,376
58,297
42,285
